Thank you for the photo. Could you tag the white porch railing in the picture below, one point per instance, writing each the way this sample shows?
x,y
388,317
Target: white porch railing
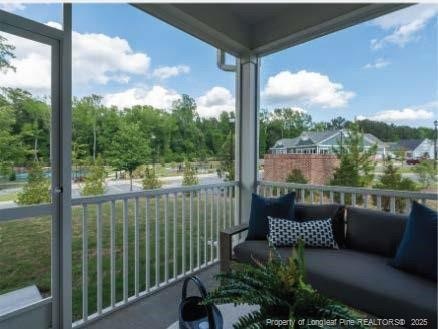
x,y
389,200
139,242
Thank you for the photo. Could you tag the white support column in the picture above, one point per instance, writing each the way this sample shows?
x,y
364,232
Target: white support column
x,y
62,279
247,137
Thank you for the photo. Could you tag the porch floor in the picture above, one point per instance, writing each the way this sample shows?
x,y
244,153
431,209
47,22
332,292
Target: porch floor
x,y
156,311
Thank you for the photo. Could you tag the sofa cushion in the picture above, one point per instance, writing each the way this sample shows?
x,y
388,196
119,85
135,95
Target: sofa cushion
x,y
261,208
361,280
333,211
417,252
374,231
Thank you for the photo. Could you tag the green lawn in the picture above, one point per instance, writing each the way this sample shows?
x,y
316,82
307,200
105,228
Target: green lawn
x,y
25,248
8,197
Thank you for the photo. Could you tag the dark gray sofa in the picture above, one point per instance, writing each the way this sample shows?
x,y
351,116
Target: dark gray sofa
x,y
357,274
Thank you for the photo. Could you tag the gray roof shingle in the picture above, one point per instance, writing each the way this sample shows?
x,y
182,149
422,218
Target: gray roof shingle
x,y
409,144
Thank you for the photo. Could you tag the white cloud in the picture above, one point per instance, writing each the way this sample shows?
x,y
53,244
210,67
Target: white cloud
x,y
100,58
379,63
214,101
311,88
12,6
32,64
157,96
424,112
166,72
404,25
96,58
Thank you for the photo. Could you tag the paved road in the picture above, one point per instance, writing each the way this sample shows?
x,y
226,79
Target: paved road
x,y
123,186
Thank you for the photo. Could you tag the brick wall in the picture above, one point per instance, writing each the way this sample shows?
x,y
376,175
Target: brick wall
x,y
317,168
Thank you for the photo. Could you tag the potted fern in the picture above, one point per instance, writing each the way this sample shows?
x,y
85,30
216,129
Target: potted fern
x,y
281,291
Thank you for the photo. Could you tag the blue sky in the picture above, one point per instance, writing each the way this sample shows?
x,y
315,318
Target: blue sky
x,y
385,69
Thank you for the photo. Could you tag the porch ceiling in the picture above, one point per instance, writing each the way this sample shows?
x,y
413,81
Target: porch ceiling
x,y
260,29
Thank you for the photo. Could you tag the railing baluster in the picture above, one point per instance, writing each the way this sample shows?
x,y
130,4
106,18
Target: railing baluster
x,y
408,205
224,207
191,232
230,203
321,194
136,249
113,253
353,199
205,227
166,240
148,248
175,236
211,225
332,199
303,196
183,241
312,199
125,250
392,204
379,202
342,198
198,238
365,200
237,218
85,262
99,258
217,222
157,242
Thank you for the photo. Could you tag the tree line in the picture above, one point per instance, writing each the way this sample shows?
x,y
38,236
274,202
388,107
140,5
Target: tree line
x,y
144,134
123,138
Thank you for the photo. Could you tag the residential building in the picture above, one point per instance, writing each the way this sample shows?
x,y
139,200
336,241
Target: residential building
x,y
322,142
415,148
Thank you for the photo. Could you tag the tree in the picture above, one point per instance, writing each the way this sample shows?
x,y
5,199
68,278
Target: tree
x,y
357,163
128,149
227,163
189,175
95,179
337,123
6,54
393,180
426,173
187,137
86,118
31,121
150,180
37,188
12,151
296,176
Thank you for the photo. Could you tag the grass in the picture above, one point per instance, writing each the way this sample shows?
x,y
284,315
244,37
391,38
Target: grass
x,y
25,247
8,197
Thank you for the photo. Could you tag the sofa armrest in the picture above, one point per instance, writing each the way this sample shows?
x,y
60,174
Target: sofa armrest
x,y
225,243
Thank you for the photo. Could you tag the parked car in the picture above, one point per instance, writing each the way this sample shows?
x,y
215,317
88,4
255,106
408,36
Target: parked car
x,y
412,162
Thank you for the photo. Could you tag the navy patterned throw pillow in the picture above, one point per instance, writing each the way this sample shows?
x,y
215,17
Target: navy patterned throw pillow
x,y
314,233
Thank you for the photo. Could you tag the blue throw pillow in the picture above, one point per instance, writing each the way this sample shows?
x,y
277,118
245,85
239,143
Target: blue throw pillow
x,y
261,208
417,252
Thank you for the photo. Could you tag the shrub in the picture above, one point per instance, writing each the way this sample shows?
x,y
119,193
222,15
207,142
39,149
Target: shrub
x,y
13,176
95,180
393,180
37,188
189,175
296,176
426,173
150,180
